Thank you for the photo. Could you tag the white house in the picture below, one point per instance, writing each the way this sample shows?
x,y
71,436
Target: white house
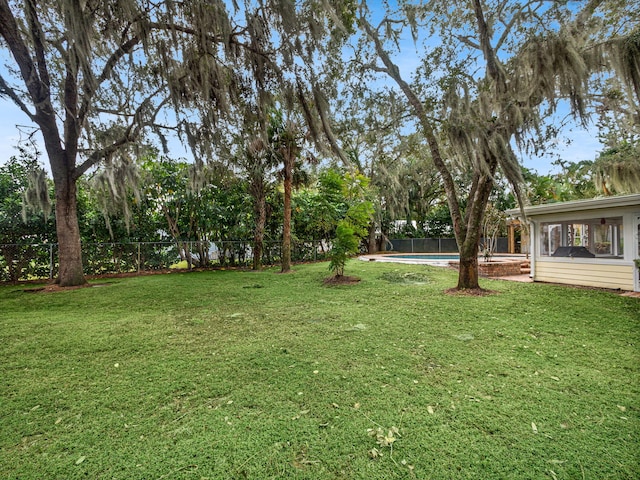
x,y
586,242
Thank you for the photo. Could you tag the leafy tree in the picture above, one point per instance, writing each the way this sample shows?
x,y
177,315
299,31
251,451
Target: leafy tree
x,y
574,182
499,70
20,226
94,66
286,142
213,210
402,174
438,223
319,208
259,165
95,77
353,227
617,169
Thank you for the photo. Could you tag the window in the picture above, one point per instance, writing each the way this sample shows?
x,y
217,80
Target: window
x,y
602,237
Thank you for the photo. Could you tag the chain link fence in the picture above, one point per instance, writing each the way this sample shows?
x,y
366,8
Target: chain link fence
x,y
20,262
440,245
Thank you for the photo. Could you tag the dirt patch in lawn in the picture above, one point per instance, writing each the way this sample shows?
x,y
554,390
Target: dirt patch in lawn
x,y
52,288
470,292
341,280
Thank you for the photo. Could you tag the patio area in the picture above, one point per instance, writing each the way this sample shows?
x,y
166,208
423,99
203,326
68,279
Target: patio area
x,y
507,267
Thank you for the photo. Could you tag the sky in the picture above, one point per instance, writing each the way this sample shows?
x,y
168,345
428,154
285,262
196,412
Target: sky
x,y
583,144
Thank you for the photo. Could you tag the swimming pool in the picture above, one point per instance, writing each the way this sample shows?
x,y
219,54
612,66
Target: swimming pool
x,y
437,259
428,256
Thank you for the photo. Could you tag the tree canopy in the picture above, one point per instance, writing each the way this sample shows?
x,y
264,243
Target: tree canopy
x,y
491,74
96,77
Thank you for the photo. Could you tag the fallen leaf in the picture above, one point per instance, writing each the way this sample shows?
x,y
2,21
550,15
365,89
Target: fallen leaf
x,y
375,453
622,408
534,428
80,460
555,378
430,409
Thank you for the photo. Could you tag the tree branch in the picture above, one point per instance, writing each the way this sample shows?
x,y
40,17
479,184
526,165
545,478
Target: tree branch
x,y
122,50
467,41
6,90
37,35
494,69
130,134
394,72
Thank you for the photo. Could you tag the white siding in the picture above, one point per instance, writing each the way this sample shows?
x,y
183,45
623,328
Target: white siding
x,y
586,274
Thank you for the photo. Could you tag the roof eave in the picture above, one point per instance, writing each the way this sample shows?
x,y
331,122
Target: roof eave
x,y
578,205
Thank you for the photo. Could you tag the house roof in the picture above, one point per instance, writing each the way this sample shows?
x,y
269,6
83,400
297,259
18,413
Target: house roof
x,y
578,205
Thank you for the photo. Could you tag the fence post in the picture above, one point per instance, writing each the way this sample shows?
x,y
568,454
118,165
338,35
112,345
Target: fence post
x,y
412,245
51,261
138,257
439,245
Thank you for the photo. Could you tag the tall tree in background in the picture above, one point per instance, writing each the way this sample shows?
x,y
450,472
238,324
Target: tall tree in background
x,y
19,224
285,141
397,163
258,165
498,71
617,168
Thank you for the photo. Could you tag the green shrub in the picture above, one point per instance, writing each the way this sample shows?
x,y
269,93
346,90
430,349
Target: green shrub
x,y
349,233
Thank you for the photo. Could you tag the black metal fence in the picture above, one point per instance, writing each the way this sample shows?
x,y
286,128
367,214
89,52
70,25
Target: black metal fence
x,y
40,261
439,245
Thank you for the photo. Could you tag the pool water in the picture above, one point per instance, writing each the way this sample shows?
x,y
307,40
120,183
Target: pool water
x,y
429,256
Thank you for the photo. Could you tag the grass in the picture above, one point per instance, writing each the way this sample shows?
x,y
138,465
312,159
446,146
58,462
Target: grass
x,y
230,374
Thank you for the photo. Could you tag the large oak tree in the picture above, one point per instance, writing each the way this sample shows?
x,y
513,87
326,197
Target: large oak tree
x,y
492,73
93,76
96,77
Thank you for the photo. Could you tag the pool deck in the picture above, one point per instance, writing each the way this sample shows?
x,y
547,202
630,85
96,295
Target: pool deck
x,y
396,258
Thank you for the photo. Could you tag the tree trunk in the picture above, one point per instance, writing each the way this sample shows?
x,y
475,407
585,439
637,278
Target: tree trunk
x,y
260,211
468,270
70,270
286,224
372,243
468,239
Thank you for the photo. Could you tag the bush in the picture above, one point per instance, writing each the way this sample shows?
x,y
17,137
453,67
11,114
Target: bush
x,y
349,233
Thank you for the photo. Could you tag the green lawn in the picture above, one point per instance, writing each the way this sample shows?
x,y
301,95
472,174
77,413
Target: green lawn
x,y
259,375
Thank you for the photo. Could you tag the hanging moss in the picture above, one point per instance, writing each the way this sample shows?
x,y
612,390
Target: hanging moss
x,y
36,195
